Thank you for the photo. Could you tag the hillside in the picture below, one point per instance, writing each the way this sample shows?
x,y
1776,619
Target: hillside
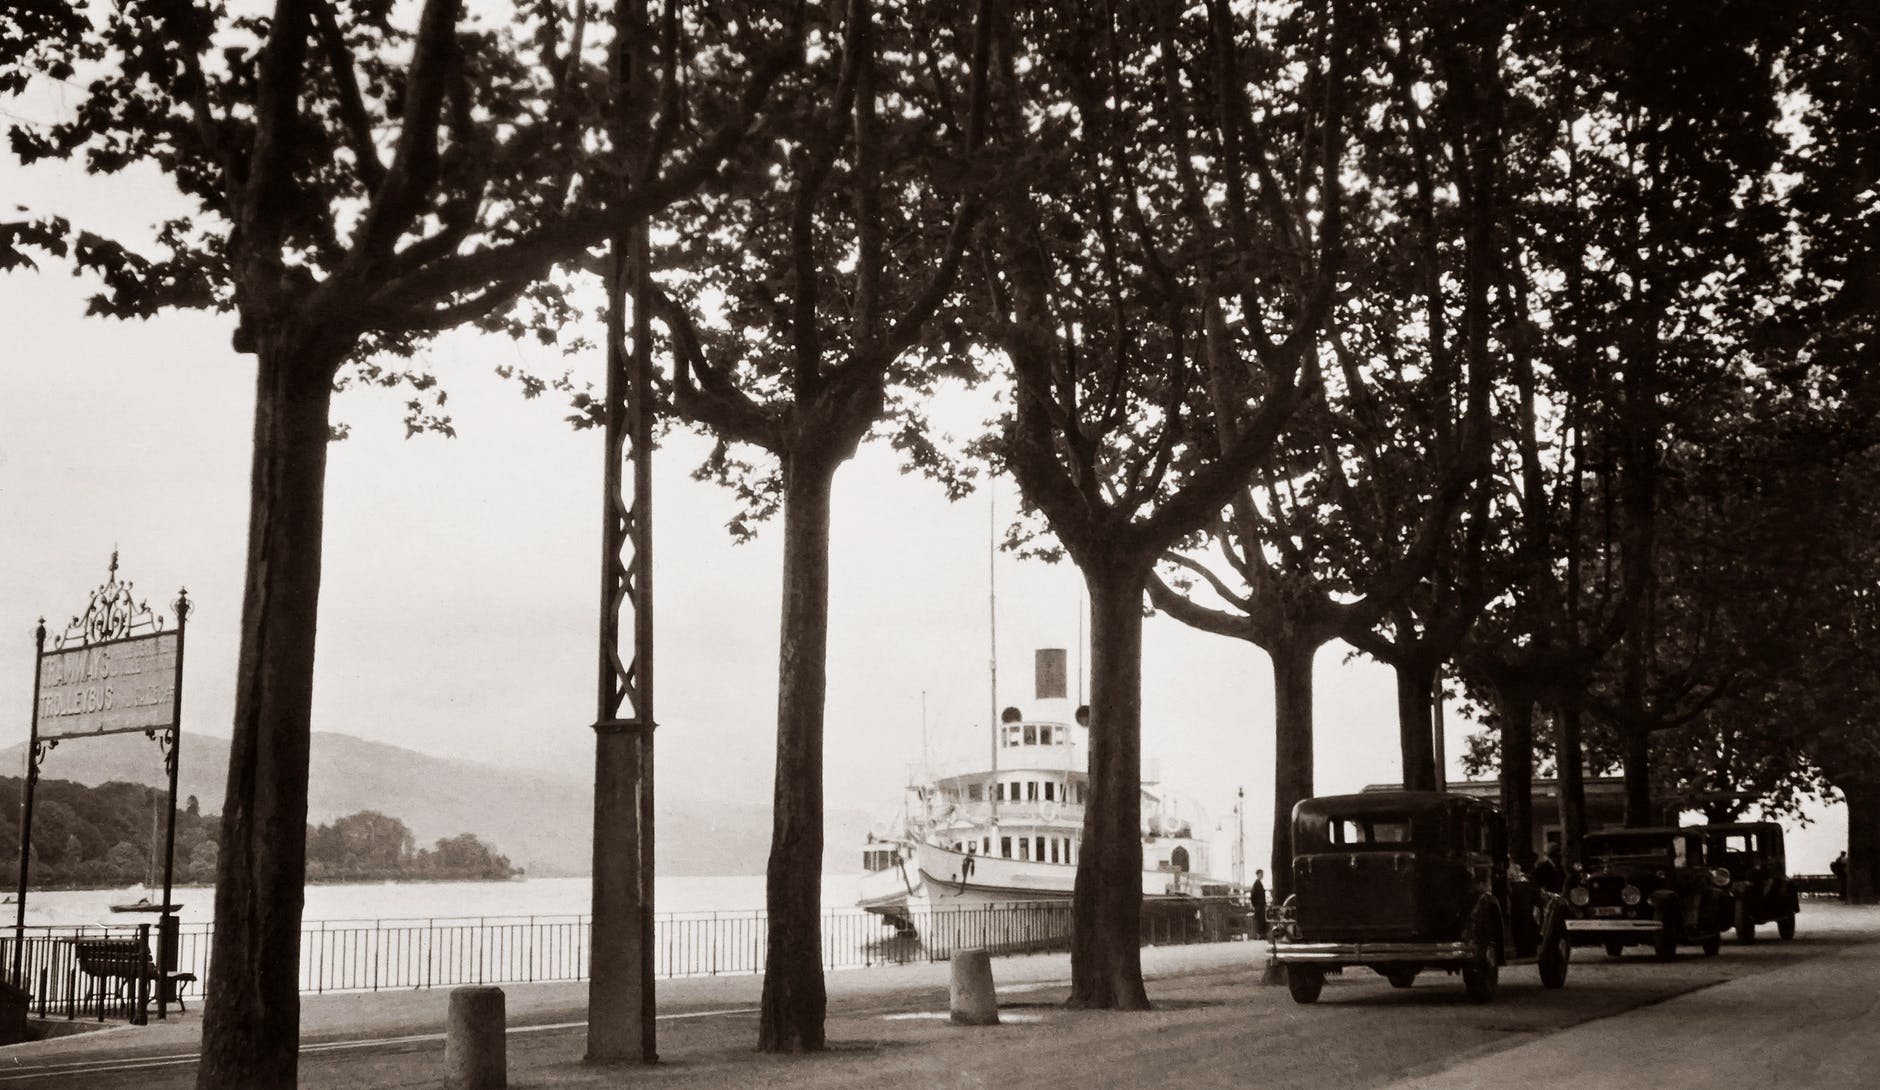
x,y
540,820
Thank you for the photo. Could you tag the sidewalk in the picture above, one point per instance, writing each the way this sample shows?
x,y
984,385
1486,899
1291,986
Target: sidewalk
x,y
1807,1025
357,1015
1801,1011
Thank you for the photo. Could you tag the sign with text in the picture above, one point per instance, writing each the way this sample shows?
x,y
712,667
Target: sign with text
x,y
108,688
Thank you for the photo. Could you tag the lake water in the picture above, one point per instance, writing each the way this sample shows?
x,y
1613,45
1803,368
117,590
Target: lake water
x,y
430,900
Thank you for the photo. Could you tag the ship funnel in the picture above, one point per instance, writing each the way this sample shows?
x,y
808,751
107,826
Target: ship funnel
x,y
1050,673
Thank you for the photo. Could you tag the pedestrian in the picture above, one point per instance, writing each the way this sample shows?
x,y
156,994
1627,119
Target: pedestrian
x,y
1839,867
1257,896
1547,872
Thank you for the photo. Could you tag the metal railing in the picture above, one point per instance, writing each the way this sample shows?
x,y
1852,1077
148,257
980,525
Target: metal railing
x,y
375,955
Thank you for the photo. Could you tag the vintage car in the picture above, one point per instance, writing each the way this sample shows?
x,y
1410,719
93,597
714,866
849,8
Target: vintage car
x,y
1760,889
1648,886
1403,881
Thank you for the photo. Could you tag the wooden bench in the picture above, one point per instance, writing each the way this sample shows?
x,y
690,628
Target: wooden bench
x,y
120,964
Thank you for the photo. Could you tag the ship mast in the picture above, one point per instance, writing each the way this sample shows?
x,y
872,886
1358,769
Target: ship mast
x,y
992,632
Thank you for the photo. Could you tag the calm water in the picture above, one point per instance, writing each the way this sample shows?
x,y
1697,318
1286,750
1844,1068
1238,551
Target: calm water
x,y
422,900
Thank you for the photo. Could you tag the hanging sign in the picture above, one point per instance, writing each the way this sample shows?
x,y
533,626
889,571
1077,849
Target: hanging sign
x,y
112,688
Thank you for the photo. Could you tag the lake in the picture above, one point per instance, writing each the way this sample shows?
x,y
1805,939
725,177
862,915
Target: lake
x,y
430,900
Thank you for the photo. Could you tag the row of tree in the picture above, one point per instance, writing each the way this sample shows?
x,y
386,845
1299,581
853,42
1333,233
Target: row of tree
x,y
111,835
1527,345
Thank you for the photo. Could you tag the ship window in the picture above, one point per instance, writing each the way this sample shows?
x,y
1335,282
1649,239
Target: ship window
x,y
1024,848
1031,790
1041,849
975,792
1031,735
1005,846
1054,850
1049,787
998,791
985,844
1178,859
1044,736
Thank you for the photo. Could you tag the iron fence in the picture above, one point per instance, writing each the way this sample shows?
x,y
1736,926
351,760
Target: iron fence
x,y
375,955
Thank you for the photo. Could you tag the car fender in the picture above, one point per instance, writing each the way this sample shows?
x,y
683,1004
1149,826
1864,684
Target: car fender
x,y
1665,905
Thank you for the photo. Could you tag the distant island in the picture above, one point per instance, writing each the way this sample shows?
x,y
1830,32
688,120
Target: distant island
x,y
110,836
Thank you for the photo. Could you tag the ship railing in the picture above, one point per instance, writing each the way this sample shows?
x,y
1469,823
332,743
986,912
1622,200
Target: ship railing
x,y
435,952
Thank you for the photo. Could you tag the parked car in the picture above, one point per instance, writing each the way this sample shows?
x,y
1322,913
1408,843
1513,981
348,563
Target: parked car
x,y
1648,887
1760,889
1405,881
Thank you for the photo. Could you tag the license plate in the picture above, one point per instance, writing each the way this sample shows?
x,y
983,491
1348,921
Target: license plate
x,y
1607,910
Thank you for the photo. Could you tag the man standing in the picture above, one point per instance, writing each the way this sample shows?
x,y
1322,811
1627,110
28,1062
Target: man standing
x,y
1839,867
1257,896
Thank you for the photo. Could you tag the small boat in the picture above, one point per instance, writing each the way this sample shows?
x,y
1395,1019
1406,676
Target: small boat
x,y
144,904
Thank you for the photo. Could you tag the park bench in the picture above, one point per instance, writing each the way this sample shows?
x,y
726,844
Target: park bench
x,y
119,964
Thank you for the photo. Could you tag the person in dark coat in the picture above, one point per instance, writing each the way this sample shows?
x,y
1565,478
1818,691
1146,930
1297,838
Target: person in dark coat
x,y
1839,867
1547,872
1257,897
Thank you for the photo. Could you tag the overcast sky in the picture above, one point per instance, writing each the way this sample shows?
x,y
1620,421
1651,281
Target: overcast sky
x,y
458,606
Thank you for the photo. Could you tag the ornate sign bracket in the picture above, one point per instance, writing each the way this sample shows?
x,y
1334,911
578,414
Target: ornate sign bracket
x,y
114,613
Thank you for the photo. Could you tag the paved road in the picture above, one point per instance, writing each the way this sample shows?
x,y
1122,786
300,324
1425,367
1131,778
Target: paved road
x,y
1213,1026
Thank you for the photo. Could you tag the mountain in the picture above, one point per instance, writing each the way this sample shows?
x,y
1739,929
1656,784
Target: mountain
x,y
541,820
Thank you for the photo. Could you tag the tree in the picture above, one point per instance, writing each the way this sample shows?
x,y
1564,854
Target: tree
x,y
359,184
1159,265
797,308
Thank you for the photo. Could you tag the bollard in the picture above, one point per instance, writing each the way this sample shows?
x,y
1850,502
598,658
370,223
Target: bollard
x,y
974,1003
474,1055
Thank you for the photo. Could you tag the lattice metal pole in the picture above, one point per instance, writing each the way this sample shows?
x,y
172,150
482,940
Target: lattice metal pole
x,y
621,1006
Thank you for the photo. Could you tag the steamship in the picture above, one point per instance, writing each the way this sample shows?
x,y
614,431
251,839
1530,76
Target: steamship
x,y
1011,833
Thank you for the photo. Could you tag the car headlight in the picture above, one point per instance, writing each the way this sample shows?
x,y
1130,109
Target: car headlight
x,y
1578,897
1720,877
1629,895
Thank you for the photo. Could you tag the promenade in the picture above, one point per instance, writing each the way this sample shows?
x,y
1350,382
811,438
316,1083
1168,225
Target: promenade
x,y
1800,1012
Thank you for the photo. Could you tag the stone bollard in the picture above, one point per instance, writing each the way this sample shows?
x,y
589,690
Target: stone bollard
x,y
474,1054
974,1003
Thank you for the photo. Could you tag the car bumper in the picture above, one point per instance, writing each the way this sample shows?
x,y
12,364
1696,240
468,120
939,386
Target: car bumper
x,y
1599,926
1371,953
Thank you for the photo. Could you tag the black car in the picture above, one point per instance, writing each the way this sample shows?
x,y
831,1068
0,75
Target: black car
x,y
1650,887
1760,890
1404,881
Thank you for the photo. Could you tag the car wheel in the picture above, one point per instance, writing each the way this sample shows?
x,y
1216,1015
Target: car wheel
x,y
1304,982
1481,978
1615,949
1665,942
1745,926
1555,958
1401,978
1713,942
1785,927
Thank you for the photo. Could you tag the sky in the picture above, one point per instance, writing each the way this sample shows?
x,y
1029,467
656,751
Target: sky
x,y
458,609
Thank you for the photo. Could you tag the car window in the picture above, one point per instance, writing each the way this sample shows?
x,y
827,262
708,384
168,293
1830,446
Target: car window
x,y
1370,830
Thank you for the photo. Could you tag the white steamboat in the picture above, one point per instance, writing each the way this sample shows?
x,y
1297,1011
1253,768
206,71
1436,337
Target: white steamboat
x,y
1011,834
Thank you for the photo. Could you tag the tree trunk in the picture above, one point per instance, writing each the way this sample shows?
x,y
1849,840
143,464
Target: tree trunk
x,y
251,1014
1863,841
1292,749
1106,931
1635,758
1414,700
1517,771
794,1001
1571,761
